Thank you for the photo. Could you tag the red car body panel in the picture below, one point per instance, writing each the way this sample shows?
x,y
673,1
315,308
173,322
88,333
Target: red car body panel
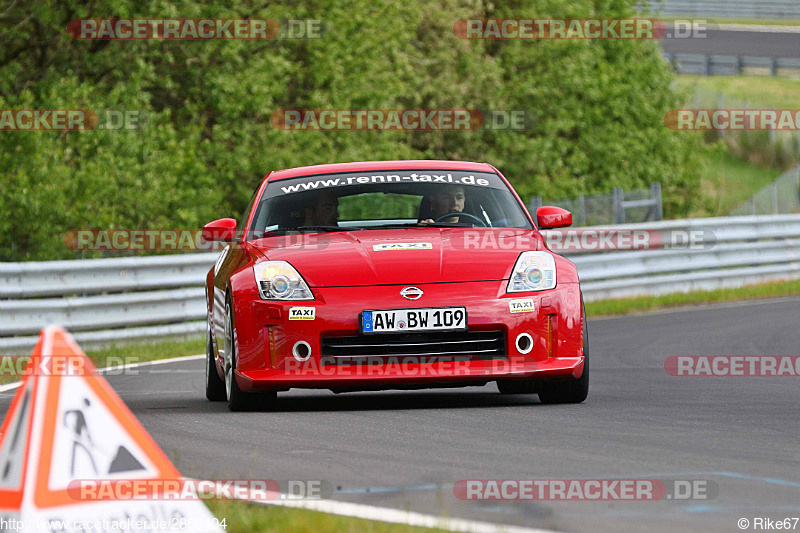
x,y
346,277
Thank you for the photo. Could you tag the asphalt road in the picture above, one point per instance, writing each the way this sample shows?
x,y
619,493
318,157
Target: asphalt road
x,y
406,449
781,42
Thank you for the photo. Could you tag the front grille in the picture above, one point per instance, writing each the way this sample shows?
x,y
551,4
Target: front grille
x,y
414,347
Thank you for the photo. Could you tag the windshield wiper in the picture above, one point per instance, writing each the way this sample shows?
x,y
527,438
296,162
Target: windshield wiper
x,y
393,226
418,225
279,232
328,228
447,225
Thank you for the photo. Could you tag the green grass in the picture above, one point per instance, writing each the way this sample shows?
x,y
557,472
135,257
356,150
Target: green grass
x,y
772,92
644,304
146,351
750,159
729,181
242,517
132,353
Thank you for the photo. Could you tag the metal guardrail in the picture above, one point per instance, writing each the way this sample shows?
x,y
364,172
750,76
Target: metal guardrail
x,y
727,65
769,9
113,300
95,276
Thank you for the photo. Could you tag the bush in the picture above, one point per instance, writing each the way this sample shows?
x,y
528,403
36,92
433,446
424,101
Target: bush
x,y
599,108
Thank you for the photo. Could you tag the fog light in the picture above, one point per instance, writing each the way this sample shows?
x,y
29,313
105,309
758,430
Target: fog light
x,y
301,351
524,343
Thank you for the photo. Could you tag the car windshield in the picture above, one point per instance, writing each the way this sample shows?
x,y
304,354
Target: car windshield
x,y
386,199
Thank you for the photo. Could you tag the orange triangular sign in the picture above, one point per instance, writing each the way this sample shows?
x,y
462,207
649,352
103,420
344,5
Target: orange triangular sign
x,y
67,429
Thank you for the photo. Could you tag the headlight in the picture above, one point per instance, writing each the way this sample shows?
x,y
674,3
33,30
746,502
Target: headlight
x,y
534,271
278,280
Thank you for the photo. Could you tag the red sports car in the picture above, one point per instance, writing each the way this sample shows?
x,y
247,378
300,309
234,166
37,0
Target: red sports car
x,y
392,275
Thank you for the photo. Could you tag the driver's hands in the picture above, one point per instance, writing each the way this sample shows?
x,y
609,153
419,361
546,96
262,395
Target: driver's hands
x,y
426,221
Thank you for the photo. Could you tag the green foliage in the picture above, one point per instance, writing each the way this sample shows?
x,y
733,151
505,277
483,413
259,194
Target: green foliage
x,y
599,108
379,206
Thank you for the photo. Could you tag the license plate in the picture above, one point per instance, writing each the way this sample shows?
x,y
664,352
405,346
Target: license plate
x,y
425,319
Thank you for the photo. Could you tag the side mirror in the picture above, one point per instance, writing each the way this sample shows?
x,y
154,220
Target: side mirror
x,y
549,217
223,229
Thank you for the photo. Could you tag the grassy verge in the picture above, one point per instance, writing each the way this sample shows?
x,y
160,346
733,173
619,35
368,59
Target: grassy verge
x,y
729,181
245,518
147,351
768,91
746,161
126,354
626,306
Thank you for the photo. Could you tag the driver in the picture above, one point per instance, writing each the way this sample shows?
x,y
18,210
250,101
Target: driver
x,y
323,211
449,199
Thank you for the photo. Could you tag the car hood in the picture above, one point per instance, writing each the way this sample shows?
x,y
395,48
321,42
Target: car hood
x,y
400,256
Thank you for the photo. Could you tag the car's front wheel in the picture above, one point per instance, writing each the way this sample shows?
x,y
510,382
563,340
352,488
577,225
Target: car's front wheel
x,y
238,400
215,387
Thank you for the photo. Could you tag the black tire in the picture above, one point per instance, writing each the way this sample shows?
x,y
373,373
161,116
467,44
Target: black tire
x,y
215,387
520,386
573,390
238,400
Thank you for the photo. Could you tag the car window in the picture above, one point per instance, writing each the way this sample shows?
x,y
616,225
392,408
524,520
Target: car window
x,y
385,199
243,220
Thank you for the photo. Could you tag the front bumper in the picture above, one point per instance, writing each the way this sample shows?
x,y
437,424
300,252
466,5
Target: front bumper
x,y
266,335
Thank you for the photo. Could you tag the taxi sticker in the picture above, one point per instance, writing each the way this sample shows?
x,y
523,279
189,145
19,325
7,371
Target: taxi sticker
x,y
302,313
402,246
521,306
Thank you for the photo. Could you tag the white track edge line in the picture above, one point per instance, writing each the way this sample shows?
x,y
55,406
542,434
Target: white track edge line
x,y
393,516
10,386
410,518
357,510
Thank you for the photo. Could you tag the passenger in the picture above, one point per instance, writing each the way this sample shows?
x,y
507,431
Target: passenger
x,y
449,199
324,211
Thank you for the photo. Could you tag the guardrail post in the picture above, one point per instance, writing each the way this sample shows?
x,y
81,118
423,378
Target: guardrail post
x,y
582,209
775,197
739,64
707,65
797,182
655,193
797,138
773,66
619,209
673,62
